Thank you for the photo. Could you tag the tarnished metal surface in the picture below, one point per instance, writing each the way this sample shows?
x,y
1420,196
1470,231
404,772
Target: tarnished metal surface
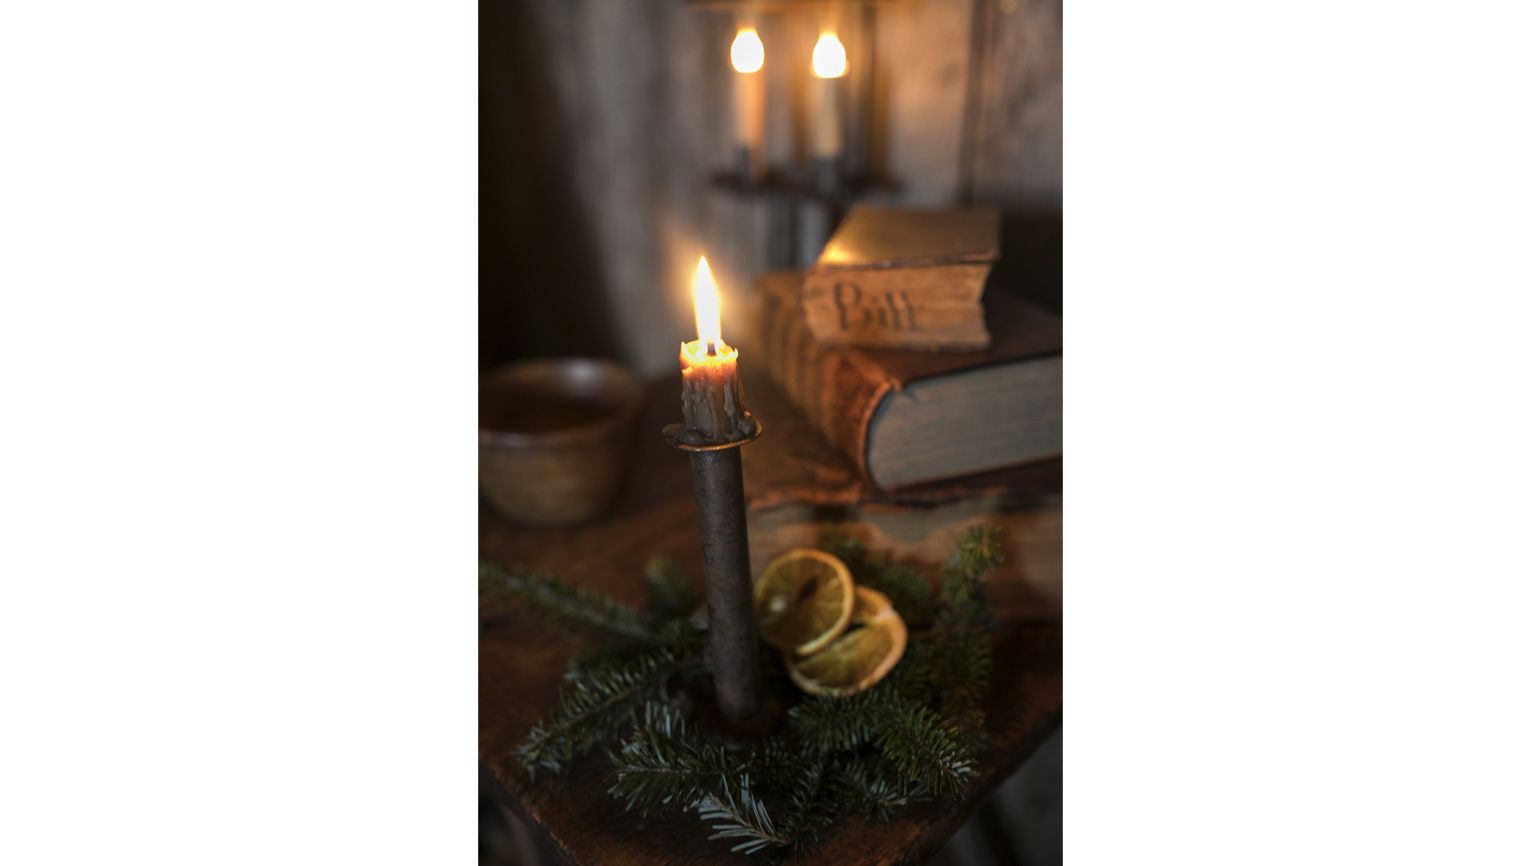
x,y
724,540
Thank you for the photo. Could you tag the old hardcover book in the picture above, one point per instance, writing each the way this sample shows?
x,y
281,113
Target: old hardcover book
x,y
907,418
799,487
894,277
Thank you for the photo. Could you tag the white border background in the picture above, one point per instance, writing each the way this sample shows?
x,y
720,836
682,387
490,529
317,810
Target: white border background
x,y
237,358
238,355
1302,254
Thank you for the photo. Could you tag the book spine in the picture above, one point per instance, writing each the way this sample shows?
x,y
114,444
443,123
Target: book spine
x,y
837,389
908,307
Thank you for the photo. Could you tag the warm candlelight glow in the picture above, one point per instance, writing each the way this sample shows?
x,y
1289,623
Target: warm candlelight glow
x,y
829,57
712,398
708,320
748,53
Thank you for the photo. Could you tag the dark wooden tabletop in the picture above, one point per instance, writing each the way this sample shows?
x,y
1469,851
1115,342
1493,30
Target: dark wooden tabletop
x,y
522,661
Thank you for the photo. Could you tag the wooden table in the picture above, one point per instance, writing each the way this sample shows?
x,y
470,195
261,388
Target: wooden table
x,y
522,661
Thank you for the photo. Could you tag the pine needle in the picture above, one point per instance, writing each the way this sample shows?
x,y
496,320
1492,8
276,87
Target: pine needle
x,y
905,587
596,706
741,816
565,602
664,764
926,749
777,762
876,788
841,724
962,579
847,547
812,804
962,660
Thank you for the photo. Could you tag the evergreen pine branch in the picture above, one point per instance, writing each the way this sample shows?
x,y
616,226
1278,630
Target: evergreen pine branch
x,y
915,677
959,654
681,633
978,552
912,737
812,805
926,749
971,732
960,666
906,588
741,816
587,662
777,762
847,548
876,788
668,591
664,765
663,719
922,745
962,661
909,591
674,638
565,602
830,724
596,705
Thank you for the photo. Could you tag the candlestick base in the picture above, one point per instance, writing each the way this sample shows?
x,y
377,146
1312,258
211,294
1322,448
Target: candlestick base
x,y
732,639
741,734
685,439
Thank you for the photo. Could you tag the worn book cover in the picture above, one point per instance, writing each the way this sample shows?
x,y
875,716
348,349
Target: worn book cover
x,y
898,277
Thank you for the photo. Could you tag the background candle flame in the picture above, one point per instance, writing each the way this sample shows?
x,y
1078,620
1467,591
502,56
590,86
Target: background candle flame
x,y
708,320
829,57
748,53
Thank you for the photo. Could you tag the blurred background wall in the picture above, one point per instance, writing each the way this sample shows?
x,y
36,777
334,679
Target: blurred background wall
x,y
602,121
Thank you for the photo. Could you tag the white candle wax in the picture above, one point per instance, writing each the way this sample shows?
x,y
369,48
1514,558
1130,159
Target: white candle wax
x,y
829,66
748,59
749,109
827,136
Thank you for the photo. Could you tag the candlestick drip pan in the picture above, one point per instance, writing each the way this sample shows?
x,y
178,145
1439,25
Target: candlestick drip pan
x,y
680,437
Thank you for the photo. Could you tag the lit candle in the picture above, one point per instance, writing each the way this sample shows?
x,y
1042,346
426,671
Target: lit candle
x,y
748,58
713,396
829,67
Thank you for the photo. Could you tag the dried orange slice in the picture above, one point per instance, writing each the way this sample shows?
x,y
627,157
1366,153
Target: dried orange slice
x,y
804,600
859,658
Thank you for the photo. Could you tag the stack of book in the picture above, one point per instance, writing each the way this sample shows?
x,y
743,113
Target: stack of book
x,y
928,405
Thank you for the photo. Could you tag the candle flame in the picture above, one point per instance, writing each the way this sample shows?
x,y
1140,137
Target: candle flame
x,y
708,320
829,57
748,53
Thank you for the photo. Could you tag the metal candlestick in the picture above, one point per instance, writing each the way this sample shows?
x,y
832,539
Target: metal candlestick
x,y
731,641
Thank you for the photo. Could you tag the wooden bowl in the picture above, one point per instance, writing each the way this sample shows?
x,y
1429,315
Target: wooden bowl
x,y
557,437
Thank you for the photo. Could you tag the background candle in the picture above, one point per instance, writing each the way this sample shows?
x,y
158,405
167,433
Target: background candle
x,y
713,396
829,66
748,58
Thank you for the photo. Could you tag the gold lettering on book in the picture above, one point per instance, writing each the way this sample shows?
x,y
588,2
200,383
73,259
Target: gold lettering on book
x,y
886,311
